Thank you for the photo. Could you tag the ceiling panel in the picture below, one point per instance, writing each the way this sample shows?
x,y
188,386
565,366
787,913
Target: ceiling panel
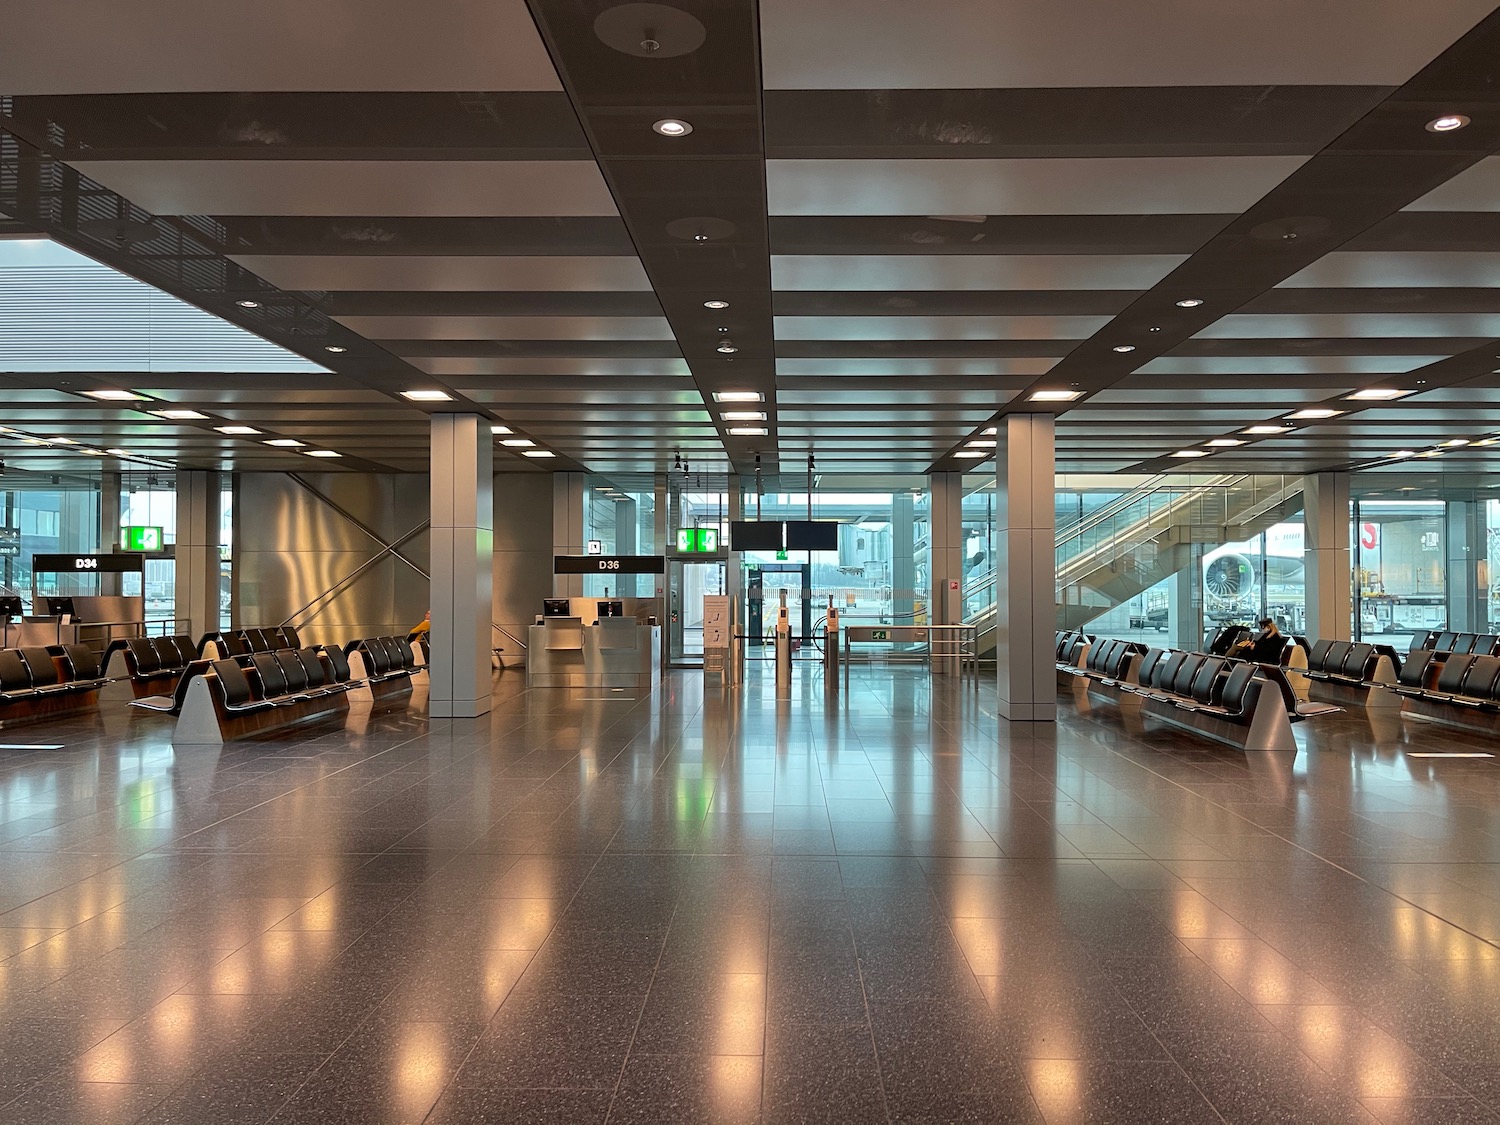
x,y
1475,189
402,273
1271,365
1378,325
357,187
844,44
999,271
156,45
1123,186
1347,268
510,327
914,368
937,327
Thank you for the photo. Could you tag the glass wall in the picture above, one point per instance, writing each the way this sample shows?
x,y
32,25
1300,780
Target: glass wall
x,y
619,518
43,515
1400,568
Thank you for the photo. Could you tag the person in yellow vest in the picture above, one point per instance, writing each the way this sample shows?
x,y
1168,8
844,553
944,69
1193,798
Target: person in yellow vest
x,y
420,630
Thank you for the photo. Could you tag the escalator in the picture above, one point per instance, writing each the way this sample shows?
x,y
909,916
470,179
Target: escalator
x,y
1122,549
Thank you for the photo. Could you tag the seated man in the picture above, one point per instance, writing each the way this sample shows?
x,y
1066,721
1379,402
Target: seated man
x,y
1263,648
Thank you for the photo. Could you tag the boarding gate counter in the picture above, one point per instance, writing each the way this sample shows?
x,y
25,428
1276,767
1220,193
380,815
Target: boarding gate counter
x,y
595,642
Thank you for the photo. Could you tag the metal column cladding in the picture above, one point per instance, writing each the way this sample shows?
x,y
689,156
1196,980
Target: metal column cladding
x,y
463,554
1025,567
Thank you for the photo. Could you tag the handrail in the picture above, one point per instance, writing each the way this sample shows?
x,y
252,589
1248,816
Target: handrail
x,y
1188,492
507,634
1098,515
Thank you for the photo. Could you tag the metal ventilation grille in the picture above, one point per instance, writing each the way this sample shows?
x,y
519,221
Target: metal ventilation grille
x,y
66,313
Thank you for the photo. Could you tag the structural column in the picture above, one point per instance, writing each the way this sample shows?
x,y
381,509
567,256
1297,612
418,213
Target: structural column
x,y
1326,562
945,560
109,528
1467,545
196,571
903,559
567,529
463,563
1185,602
1025,568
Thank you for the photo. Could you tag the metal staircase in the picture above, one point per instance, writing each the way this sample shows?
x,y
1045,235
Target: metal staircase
x,y
1144,536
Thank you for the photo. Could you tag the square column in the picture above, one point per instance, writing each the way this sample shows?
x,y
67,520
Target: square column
x,y
1326,561
1466,540
945,552
463,563
196,553
1026,567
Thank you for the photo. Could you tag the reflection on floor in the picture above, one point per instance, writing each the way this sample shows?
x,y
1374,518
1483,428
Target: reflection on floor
x,y
697,907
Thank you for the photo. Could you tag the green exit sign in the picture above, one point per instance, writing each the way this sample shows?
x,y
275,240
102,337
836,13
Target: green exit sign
x,y
697,540
880,634
142,538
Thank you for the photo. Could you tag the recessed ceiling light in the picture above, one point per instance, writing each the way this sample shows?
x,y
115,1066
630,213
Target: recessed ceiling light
x,y
1430,453
738,396
322,453
1122,348
726,347
426,396
748,431
672,127
500,429
92,452
1447,123
967,454
62,440
1487,441
1315,412
1225,442
539,453
1052,396
1190,453
1404,453
1379,394
248,304
334,348
982,443
990,431
179,415
744,415
241,431
117,452
1266,430
518,442
1189,302
285,443
115,396
715,304
1455,442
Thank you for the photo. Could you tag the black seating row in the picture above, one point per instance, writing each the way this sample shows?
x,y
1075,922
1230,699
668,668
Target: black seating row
x,y
389,664
37,682
1198,683
1443,643
1463,679
154,664
247,642
1071,647
237,696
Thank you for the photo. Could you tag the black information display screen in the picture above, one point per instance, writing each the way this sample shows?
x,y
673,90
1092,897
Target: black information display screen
x,y
756,535
88,564
609,564
10,606
812,535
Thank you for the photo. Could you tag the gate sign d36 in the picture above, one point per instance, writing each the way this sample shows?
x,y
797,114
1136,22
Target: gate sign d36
x,y
142,539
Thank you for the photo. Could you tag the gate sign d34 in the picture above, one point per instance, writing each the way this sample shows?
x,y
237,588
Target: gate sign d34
x,y
142,539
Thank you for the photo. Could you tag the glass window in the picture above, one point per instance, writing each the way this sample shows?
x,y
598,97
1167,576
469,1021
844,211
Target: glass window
x,y
1400,572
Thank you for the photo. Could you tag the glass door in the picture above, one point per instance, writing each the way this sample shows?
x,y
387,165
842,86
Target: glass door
x,y
688,584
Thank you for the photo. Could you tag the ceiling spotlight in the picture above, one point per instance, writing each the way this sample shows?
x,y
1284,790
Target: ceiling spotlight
x,y
967,454
500,429
1266,430
539,453
1189,302
1224,442
744,415
426,396
1315,412
1379,394
738,396
1190,453
238,430
179,415
517,442
334,348
322,453
248,304
1051,396
726,347
748,431
672,127
115,396
1447,123
1123,348
715,304
1455,442
284,443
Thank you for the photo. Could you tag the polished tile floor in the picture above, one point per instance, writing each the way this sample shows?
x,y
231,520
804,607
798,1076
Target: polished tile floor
x,y
693,907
